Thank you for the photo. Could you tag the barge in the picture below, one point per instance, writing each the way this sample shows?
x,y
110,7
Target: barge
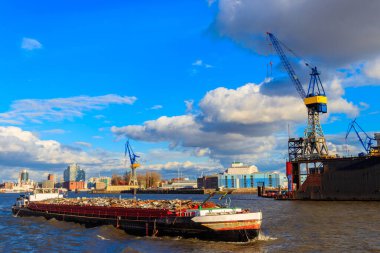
x,y
183,218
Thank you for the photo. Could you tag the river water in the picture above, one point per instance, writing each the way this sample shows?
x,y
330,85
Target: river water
x,y
288,226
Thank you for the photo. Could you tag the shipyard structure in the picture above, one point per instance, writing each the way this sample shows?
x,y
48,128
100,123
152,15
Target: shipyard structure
x,y
313,172
332,177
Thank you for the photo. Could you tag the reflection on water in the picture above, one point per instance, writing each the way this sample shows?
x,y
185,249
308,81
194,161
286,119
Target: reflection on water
x,y
287,226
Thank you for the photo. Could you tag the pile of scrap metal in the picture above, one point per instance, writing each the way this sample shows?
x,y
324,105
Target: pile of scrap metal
x,y
174,204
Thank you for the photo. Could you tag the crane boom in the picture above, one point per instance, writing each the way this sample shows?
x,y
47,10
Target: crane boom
x,y
134,163
131,154
367,142
287,65
314,143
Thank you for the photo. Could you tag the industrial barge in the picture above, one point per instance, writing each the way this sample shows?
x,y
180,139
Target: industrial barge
x,y
184,218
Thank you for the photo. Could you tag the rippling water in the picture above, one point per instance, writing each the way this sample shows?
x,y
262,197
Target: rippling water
x,y
288,226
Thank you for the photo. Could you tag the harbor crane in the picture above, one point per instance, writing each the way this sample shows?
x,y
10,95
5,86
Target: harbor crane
x,y
366,142
314,143
133,161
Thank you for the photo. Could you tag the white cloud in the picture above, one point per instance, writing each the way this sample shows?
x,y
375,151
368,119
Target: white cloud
x,y
156,107
23,148
97,137
233,124
185,169
197,63
58,109
372,68
99,116
200,63
247,105
30,44
84,144
54,131
336,102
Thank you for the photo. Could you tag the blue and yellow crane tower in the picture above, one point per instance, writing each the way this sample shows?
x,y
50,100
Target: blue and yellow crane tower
x,y
314,143
133,161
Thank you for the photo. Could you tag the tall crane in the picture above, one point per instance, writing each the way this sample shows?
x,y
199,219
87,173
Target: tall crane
x,y
366,142
134,163
314,144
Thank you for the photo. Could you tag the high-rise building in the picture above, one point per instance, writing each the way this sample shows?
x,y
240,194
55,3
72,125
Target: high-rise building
x,y
74,173
74,177
24,176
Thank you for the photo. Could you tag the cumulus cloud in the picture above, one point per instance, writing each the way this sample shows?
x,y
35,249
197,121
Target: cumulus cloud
x,y
372,68
340,32
57,109
232,124
22,148
30,44
247,105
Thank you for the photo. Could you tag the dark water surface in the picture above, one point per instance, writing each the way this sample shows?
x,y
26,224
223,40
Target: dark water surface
x,y
288,226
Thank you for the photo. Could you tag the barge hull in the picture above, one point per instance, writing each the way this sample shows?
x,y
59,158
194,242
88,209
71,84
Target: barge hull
x,y
147,226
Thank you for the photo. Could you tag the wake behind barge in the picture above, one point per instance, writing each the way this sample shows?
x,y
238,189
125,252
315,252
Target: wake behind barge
x,y
189,220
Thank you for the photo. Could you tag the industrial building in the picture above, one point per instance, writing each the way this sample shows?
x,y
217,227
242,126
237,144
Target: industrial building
x,y
267,179
180,183
98,183
240,175
208,182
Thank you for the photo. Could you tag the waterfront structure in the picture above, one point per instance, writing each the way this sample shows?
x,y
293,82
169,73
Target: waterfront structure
x,y
266,179
180,183
208,182
74,178
98,182
47,184
239,168
244,176
74,186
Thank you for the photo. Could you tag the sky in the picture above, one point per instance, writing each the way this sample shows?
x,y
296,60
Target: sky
x,y
187,82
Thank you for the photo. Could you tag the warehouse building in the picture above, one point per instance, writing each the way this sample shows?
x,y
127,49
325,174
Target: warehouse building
x,y
242,176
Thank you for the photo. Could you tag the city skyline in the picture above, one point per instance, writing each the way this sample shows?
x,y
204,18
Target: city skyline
x,y
188,83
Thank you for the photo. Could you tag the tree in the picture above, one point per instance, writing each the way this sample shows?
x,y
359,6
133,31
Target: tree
x,y
116,179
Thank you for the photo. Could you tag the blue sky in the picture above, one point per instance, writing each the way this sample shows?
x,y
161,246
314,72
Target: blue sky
x,y
79,77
